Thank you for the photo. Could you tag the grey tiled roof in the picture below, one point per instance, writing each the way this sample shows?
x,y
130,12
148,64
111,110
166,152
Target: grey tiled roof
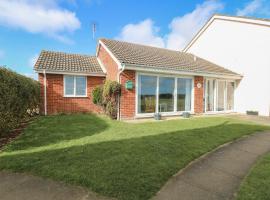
x,y
66,62
163,59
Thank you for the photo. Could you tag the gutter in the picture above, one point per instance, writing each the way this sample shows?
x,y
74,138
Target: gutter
x,y
45,91
71,73
174,72
119,81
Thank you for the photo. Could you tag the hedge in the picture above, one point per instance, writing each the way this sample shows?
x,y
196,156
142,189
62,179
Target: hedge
x,y
19,98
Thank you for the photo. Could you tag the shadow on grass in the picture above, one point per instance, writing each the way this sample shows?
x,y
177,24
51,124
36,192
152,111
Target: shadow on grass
x,y
127,169
53,129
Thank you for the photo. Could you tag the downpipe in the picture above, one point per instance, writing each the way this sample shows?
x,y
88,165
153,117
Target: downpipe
x,y
119,81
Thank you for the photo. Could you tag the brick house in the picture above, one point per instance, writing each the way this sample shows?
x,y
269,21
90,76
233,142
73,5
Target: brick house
x,y
153,80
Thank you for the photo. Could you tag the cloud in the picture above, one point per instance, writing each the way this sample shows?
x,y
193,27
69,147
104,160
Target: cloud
x,y
32,61
144,32
250,8
43,17
184,28
255,7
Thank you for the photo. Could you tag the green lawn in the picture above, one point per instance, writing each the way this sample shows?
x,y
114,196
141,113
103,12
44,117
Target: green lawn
x,y
117,159
257,184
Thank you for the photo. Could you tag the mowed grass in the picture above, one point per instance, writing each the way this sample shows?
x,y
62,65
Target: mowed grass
x,y
256,186
117,159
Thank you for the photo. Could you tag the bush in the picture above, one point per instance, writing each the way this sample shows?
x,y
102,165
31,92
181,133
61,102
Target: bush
x,y
107,97
19,99
97,95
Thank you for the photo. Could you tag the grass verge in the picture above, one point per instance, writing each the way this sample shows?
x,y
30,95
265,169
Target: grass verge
x,y
257,184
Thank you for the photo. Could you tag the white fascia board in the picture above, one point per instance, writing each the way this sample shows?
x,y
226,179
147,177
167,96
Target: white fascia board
x,y
255,21
173,72
238,19
111,54
71,73
101,65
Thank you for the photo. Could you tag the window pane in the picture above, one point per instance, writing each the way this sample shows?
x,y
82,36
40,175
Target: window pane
x,y
80,86
230,95
209,95
69,85
166,94
220,95
184,94
147,86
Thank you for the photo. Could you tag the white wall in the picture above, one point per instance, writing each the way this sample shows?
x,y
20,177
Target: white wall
x,y
245,49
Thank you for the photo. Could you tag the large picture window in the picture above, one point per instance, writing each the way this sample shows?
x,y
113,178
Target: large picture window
x,y
163,94
75,86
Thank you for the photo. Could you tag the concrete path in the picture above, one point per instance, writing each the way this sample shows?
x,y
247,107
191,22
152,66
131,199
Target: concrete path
x,y
218,174
257,119
14,186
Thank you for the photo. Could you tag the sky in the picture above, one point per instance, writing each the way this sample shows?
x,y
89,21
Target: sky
x,y
29,26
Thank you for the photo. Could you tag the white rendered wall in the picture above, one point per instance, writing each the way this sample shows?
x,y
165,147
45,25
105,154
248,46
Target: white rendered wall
x,y
245,49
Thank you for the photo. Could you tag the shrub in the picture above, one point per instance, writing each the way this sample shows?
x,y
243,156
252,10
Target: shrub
x,y
97,95
107,97
19,99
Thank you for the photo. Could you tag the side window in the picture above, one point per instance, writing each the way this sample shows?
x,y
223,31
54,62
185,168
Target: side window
x,y
74,86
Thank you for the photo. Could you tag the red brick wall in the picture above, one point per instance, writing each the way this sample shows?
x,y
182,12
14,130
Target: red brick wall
x,y
108,63
198,95
57,103
127,101
41,81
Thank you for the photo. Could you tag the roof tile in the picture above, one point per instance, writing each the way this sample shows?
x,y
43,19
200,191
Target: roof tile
x,y
164,59
58,61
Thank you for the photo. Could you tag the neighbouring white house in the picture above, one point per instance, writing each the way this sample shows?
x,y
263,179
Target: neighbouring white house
x,y
242,45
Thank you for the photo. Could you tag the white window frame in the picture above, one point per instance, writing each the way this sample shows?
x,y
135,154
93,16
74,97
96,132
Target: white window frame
x,y
74,89
158,75
215,96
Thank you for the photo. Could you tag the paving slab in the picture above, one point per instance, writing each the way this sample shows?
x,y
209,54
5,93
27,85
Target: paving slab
x,y
16,186
218,174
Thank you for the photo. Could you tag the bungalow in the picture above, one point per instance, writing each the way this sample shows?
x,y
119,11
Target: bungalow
x,y
153,80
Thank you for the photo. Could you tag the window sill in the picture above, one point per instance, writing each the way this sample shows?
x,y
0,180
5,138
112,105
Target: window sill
x,y
67,96
178,113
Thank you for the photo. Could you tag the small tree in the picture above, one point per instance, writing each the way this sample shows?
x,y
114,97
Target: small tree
x,y
107,97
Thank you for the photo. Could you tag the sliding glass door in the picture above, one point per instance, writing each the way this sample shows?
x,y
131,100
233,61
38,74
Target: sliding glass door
x,y
210,86
184,89
166,94
230,95
221,86
219,95
163,94
147,87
